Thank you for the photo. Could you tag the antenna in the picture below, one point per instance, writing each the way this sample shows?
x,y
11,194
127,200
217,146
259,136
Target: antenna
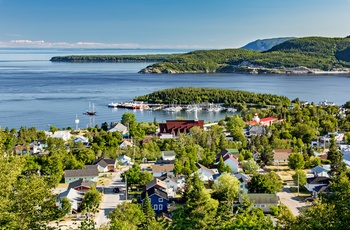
x,y
76,122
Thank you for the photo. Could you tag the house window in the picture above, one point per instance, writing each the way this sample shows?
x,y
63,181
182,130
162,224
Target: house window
x,y
160,207
155,207
255,206
160,199
262,206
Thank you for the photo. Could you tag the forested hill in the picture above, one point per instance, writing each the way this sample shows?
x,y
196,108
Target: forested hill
x,y
298,56
236,98
265,44
112,58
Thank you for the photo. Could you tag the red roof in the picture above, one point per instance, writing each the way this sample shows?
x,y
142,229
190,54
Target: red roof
x,y
227,156
179,126
263,121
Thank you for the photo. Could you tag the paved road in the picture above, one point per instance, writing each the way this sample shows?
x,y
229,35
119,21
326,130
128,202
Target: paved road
x,y
288,199
110,200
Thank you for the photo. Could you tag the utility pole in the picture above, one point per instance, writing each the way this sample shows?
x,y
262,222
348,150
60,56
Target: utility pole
x,y
298,184
126,188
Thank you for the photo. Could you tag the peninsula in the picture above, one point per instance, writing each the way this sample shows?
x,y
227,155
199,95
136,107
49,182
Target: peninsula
x,y
309,55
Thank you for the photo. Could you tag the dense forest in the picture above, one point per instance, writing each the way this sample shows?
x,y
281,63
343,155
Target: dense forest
x,y
112,58
311,52
228,97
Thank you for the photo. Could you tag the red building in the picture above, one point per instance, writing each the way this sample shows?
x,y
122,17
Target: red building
x,y
174,127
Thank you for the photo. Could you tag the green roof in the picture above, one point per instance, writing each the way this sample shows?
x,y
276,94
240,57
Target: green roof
x,y
233,151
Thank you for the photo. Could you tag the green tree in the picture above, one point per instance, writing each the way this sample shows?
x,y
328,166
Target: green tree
x,y
336,158
265,183
65,207
226,189
314,161
250,166
147,209
222,167
91,199
296,161
126,216
299,177
200,209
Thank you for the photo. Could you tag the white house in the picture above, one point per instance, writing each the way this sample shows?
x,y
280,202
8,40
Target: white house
x,y
204,173
90,172
125,160
64,135
119,128
319,171
232,162
125,144
244,179
174,182
105,165
314,182
75,198
168,155
161,169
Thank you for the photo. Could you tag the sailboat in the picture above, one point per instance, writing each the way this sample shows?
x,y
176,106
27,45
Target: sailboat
x,y
91,111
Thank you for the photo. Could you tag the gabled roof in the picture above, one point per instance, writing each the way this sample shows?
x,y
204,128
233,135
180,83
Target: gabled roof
x,y
74,196
281,154
229,156
225,152
162,168
318,180
90,170
104,162
81,182
318,169
200,166
154,191
169,153
263,198
118,128
155,182
322,188
242,177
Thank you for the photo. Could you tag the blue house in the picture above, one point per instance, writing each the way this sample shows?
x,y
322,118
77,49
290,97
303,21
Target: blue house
x,y
159,199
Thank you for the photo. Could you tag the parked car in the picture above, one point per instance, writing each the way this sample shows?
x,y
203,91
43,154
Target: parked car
x,y
309,199
116,190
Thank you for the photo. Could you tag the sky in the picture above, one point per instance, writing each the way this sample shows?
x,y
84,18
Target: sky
x,y
166,23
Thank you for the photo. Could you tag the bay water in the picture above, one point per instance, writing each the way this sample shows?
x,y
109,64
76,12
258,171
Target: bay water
x,y
37,92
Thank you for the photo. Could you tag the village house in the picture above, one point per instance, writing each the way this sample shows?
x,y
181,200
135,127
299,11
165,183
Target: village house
x,y
159,199
75,197
119,128
124,160
125,144
64,135
262,200
90,172
204,173
316,182
267,121
319,171
161,169
168,155
106,165
175,127
281,155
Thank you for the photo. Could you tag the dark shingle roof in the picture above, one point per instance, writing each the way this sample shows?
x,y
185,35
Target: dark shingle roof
x,y
318,180
81,182
154,191
89,170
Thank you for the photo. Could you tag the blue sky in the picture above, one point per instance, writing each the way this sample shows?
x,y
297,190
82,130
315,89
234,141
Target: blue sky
x,y
167,23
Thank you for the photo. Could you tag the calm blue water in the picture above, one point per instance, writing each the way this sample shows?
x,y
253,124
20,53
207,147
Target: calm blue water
x,y
37,92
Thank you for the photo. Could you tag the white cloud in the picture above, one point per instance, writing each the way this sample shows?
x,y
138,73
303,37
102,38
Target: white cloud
x,y
43,44
84,44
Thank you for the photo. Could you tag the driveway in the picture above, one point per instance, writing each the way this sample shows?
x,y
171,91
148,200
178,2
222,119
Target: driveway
x,y
110,199
290,200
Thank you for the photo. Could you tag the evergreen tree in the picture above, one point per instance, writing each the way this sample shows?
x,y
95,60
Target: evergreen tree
x,y
147,209
336,158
